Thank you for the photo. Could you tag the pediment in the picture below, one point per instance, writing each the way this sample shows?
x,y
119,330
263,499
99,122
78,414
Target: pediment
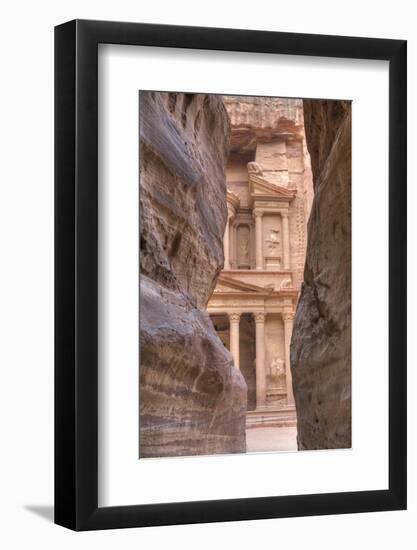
x,y
226,288
228,285
260,186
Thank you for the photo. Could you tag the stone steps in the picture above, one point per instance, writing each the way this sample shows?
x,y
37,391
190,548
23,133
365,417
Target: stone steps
x,y
282,417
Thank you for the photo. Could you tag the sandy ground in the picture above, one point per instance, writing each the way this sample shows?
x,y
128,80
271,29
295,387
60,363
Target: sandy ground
x,y
271,439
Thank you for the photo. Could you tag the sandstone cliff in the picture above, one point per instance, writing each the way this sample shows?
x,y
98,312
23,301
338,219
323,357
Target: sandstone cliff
x,y
192,399
261,119
321,341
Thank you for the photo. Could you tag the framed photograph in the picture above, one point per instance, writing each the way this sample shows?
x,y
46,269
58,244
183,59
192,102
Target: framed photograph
x,y
230,284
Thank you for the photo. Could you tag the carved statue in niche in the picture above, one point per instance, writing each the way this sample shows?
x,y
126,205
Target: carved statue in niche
x,y
243,236
273,241
244,250
276,371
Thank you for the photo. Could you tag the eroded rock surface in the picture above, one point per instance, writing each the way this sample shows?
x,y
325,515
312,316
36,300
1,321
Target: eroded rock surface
x,y
260,119
321,341
192,399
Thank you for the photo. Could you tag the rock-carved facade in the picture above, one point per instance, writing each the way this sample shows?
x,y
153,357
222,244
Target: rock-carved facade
x,y
269,196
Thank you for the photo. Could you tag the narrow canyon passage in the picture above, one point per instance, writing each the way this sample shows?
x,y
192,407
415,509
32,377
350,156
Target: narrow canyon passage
x,y
244,296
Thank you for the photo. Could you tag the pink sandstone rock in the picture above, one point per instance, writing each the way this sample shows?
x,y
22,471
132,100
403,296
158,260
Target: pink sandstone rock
x,y
192,399
321,341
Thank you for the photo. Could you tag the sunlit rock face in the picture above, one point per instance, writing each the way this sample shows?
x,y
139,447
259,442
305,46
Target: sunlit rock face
x,y
192,399
321,341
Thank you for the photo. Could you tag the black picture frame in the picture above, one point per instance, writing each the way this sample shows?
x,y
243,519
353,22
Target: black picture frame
x,y
76,272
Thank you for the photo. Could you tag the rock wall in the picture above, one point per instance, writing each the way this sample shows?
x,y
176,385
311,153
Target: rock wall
x,y
262,119
321,340
192,399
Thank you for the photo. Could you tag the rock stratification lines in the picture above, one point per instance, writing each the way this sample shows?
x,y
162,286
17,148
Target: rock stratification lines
x,y
192,400
321,341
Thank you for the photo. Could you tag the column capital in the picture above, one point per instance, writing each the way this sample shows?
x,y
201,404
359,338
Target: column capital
x,y
259,316
258,213
284,214
288,315
234,316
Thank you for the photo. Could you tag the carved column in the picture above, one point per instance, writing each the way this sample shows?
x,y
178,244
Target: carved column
x,y
288,318
234,319
226,244
260,359
233,246
259,239
286,240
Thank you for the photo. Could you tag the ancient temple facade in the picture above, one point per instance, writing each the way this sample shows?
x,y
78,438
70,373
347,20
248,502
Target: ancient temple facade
x,y
269,196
